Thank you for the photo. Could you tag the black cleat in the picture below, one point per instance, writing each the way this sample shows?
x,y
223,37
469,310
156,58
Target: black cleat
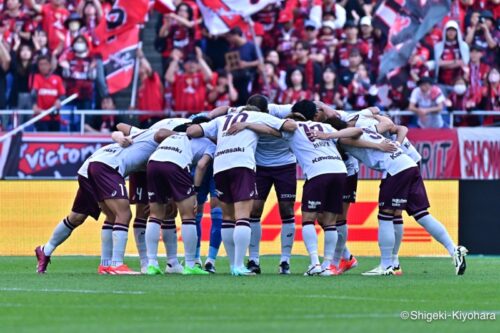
x,y
209,267
284,268
253,267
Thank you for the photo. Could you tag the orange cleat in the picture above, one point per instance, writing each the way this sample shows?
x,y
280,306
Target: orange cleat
x,y
103,270
335,270
122,270
398,270
346,265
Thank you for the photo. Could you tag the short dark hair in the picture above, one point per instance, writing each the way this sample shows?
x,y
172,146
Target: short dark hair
x,y
181,128
260,101
336,123
306,108
236,31
201,120
43,57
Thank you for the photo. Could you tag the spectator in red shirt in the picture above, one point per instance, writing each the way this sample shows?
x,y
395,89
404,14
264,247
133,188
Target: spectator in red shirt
x,y
317,48
150,94
482,32
460,99
176,32
73,25
273,58
53,16
297,88
272,88
15,23
224,93
329,91
491,96
47,91
288,35
189,86
476,73
310,69
451,55
417,66
334,13
350,42
359,90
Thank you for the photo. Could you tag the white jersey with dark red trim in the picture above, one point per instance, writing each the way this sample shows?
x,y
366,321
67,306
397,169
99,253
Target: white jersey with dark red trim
x,y
392,163
315,157
125,160
183,151
234,151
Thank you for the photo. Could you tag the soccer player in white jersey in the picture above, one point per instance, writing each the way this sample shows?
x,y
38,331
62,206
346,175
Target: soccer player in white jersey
x,y
402,189
325,174
138,195
106,170
371,118
276,165
169,177
234,169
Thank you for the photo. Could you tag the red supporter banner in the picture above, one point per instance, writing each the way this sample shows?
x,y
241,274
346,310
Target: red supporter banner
x,y
54,155
479,152
439,150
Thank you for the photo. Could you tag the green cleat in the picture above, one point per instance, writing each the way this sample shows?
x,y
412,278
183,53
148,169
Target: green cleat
x,y
196,270
154,270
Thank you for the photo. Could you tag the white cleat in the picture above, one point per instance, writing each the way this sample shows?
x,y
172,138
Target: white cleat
x,y
379,271
314,270
459,259
326,272
174,269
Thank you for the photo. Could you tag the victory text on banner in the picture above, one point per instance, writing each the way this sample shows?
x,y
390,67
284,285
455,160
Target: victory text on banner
x,y
479,153
29,211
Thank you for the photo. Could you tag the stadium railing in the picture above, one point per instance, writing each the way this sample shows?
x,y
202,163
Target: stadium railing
x,y
14,115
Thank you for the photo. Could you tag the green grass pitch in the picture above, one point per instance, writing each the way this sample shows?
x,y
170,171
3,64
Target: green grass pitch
x,y
71,297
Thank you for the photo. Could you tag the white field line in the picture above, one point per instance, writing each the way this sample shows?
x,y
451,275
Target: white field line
x,y
75,291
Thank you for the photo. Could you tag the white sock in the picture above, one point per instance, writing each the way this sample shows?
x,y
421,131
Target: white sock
x,y
398,237
169,236
342,239
60,234
227,233
190,239
120,237
241,236
140,239
106,243
436,229
152,237
287,238
385,239
331,237
311,241
254,247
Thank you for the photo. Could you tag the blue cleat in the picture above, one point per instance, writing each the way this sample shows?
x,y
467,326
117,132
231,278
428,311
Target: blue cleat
x,y
242,271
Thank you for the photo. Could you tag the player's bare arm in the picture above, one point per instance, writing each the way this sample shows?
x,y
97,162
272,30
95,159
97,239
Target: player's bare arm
x,y
126,129
162,134
328,110
384,124
218,111
385,146
258,128
201,168
401,132
352,132
120,138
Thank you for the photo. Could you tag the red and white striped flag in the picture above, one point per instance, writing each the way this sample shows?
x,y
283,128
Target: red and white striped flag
x,y
220,16
164,6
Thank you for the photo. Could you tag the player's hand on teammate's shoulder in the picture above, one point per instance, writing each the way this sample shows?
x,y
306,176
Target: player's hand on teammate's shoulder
x,y
388,146
315,134
236,128
121,139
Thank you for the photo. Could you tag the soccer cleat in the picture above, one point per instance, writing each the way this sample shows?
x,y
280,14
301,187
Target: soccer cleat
x,y
174,269
335,270
346,265
313,270
153,270
43,260
122,270
144,267
253,267
242,271
459,259
326,272
379,271
209,267
398,270
196,270
103,270
284,268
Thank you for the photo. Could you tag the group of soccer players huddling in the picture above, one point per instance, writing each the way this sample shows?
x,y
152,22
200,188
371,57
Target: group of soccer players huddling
x,y
236,155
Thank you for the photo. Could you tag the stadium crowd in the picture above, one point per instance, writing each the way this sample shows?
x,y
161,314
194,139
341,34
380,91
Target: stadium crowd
x,y
46,52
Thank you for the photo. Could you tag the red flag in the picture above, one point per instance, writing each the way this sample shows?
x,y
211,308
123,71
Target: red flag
x,y
164,6
124,15
119,56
